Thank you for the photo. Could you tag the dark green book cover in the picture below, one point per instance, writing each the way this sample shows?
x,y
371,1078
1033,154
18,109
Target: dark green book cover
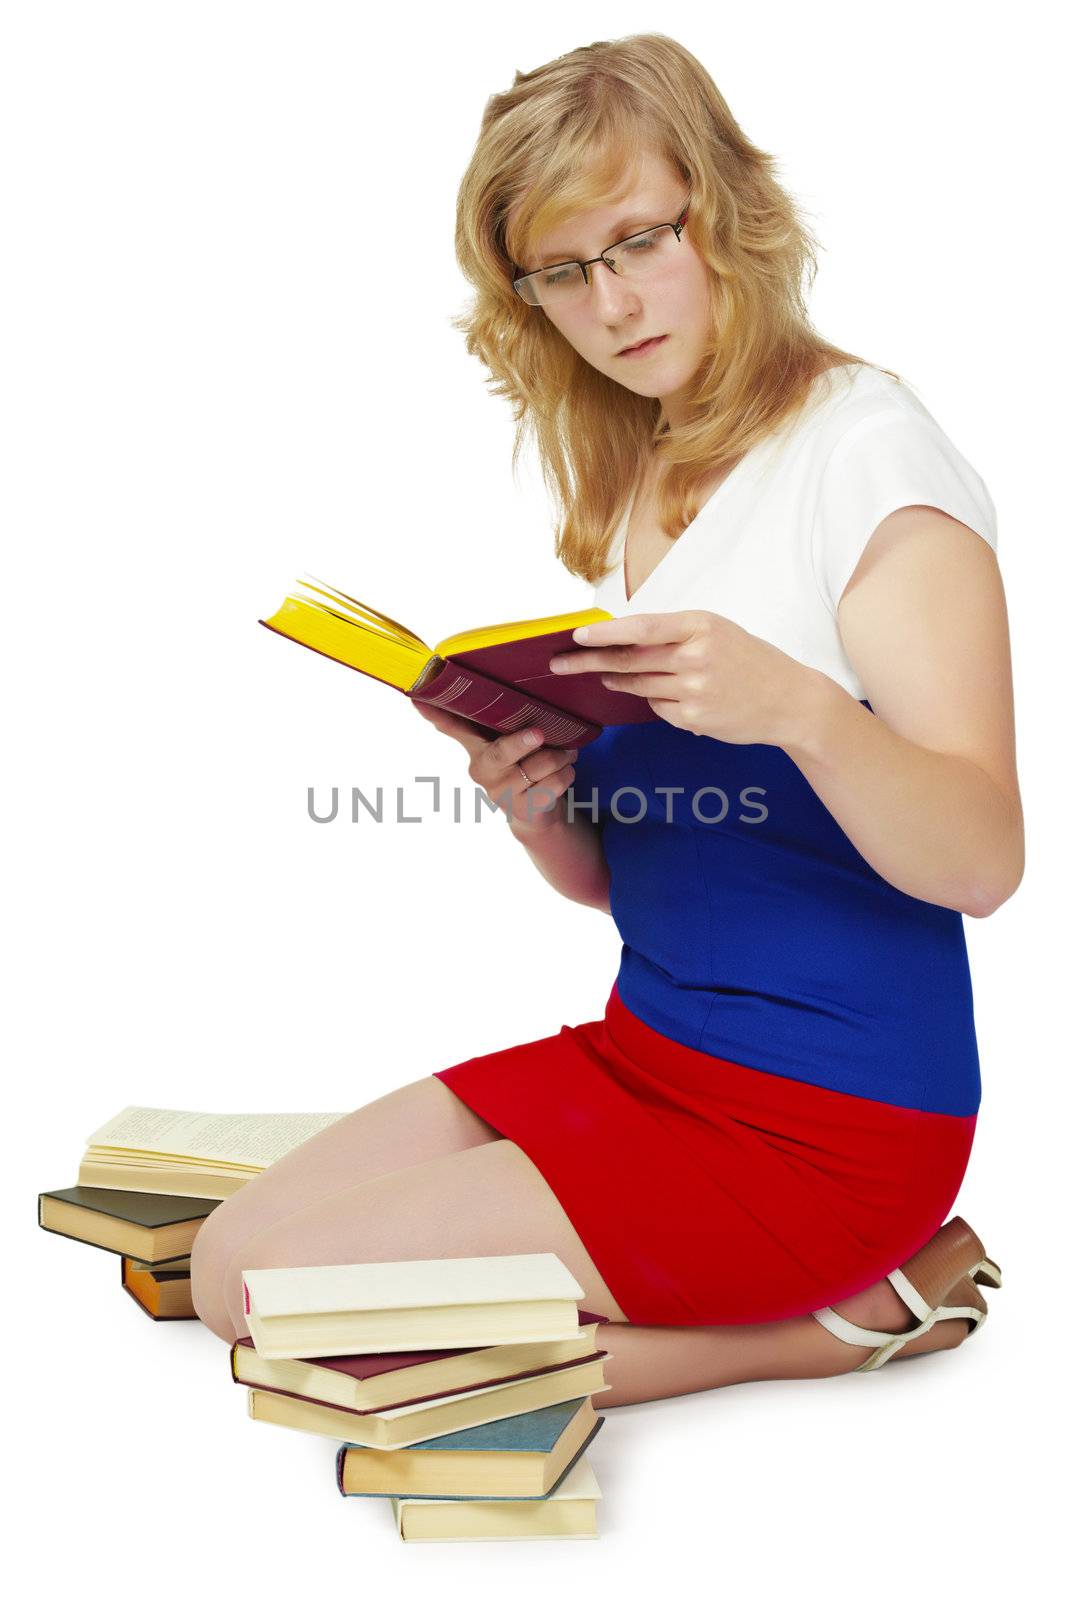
x,y
150,1211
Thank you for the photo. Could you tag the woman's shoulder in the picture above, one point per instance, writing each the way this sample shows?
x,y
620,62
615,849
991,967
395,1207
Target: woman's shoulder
x,y
854,399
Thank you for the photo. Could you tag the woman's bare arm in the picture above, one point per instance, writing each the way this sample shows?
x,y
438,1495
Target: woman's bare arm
x,y
567,851
570,856
926,789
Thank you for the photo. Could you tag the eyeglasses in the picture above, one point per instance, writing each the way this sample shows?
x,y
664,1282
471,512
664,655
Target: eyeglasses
x,y
564,281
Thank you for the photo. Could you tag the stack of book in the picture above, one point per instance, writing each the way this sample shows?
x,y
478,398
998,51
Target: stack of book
x,y
148,1179
458,1388
151,1233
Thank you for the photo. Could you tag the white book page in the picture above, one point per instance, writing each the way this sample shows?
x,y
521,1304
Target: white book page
x,y
251,1139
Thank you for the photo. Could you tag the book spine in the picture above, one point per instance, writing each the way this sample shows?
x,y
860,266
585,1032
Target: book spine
x,y
498,707
341,1469
135,1298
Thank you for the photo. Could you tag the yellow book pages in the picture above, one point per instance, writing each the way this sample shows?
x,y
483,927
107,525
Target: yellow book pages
x,y
348,640
350,631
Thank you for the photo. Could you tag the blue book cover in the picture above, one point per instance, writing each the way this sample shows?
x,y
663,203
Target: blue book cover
x,y
537,1432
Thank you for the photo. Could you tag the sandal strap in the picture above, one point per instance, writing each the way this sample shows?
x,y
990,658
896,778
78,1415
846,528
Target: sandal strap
x,y
909,1294
886,1345
852,1333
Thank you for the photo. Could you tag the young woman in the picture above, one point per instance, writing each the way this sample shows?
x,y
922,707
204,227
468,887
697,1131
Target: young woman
x,y
747,1160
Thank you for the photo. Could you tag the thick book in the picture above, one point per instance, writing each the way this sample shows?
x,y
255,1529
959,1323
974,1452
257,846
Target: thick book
x,y
402,1426
520,1457
569,1512
152,1227
371,1307
166,1296
205,1153
374,1382
496,676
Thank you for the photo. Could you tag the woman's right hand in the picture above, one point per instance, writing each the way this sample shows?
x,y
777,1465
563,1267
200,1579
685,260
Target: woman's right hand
x,y
494,767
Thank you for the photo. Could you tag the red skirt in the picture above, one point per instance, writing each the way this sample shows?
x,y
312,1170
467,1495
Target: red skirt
x,y
707,1192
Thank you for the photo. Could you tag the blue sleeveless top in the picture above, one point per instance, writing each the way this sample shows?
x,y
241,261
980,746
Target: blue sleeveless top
x,y
761,934
751,927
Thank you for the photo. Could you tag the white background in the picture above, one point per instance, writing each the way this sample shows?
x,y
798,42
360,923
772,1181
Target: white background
x,y
212,382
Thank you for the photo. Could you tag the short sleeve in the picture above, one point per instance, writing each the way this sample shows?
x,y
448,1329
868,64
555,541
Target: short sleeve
x,y
882,463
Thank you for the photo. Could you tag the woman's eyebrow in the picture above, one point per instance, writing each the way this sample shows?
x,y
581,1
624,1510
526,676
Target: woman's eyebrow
x,y
622,230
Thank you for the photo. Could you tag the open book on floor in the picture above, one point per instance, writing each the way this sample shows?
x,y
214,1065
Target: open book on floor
x,y
203,1153
496,676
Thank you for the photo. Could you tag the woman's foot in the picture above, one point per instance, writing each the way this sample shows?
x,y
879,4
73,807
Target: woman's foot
x,y
881,1308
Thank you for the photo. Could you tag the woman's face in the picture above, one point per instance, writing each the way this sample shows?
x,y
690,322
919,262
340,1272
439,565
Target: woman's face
x,y
613,312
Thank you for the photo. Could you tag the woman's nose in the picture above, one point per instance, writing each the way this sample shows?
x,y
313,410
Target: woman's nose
x,y
609,292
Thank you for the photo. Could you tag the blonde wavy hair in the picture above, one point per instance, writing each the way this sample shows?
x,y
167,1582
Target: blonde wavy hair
x,y
570,135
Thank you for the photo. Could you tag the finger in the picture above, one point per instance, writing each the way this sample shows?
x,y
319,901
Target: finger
x,y
512,747
664,685
620,658
552,783
643,627
533,767
544,763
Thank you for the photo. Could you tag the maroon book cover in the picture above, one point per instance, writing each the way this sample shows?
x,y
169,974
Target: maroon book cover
x,y
370,1366
504,687
522,664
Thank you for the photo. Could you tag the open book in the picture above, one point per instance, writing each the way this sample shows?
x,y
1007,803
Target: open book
x,y
204,1153
496,676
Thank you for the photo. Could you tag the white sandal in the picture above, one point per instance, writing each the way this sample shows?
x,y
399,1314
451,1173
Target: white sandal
x,y
948,1268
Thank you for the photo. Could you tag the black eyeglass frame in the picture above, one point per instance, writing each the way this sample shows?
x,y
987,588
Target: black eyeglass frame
x,y
678,225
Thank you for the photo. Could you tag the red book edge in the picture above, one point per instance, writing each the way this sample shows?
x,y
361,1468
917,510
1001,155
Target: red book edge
x,y
419,1399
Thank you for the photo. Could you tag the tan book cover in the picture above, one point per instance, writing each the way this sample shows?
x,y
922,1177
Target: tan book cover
x,y
377,1306
400,1426
569,1512
371,1382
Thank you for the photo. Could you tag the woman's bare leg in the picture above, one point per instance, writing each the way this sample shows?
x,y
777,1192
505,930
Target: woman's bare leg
x,y
488,1200
654,1363
492,1200
416,1123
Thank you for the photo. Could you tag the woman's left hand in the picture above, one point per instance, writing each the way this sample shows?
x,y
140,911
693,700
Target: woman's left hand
x,y
699,671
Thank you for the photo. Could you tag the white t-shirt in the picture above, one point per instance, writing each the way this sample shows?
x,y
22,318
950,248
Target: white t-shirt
x,y
774,547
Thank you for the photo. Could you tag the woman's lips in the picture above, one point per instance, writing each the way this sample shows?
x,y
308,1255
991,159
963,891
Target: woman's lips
x,y
643,349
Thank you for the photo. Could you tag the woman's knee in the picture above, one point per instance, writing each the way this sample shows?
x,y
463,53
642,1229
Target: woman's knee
x,y
221,1233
